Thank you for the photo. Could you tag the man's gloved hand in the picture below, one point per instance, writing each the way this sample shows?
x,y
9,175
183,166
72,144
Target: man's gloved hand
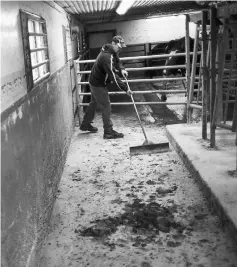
x,y
124,73
129,92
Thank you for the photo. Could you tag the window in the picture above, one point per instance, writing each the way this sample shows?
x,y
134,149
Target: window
x,y
35,47
67,43
78,43
82,44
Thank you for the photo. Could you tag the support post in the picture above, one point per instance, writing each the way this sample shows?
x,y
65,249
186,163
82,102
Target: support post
x,y
204,76
194,65
208,78
221,60
78,90
213,74
187,45
234,124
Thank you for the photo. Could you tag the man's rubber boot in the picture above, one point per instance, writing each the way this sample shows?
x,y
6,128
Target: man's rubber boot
x,y
112,135
89,128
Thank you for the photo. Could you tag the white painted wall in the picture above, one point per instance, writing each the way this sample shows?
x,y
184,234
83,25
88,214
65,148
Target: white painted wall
x,y
13,83
147,30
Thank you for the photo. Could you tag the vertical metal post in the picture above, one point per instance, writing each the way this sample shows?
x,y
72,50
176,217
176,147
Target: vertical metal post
x,y
204,76
78,88
146,52
208,77
213,74
217,109
234,125
187,45
193,75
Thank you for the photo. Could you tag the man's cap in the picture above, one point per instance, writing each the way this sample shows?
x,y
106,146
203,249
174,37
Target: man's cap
x,y
119,40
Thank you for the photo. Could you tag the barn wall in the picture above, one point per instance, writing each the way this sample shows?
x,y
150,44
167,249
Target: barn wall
x,y
36,129
147,30
13,82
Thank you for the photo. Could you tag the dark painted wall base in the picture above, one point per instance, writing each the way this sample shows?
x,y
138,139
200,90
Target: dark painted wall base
x,y
35,140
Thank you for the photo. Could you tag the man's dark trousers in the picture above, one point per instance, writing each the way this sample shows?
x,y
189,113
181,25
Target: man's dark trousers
x,y
100,97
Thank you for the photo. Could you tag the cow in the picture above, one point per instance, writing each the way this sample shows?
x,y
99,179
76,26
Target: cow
x,y
171,47
175,47
158,49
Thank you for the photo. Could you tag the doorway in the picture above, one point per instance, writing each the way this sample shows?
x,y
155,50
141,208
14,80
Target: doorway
x,y
97,39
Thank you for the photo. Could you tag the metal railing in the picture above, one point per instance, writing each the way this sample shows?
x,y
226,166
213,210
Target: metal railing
x,y
80,72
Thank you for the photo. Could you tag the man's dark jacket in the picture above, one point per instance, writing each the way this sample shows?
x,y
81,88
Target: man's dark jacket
x,y
107,69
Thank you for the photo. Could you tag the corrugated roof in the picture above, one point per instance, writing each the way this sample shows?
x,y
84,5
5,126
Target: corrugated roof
x,y
92,11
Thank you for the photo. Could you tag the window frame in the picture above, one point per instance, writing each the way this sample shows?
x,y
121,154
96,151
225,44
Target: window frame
x,y
66,51
25,16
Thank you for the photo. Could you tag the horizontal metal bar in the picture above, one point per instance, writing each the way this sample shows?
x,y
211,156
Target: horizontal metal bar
x,y
141,103
38,49
143,68
229,101
225,126
195,106
138,57
143,92
40,64
231,79
134,45
200,102
148,80
139,61
134,51
232,70
37,34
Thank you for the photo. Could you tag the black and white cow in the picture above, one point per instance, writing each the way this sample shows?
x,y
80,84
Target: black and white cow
x,y
175,47
171,47
158,49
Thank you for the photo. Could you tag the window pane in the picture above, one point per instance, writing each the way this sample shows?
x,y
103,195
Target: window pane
x,y
32,42
31,25
38,41
36,26
33,59
41,71
44,41
35,74
43,55
41,28
39,56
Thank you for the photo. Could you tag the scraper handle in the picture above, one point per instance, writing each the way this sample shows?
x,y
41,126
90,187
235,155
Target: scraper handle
x,y
137,112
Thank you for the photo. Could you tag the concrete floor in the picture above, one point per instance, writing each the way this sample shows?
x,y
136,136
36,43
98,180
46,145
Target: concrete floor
x,y
101,182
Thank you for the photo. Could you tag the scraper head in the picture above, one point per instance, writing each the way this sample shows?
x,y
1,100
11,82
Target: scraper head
x,y
150,148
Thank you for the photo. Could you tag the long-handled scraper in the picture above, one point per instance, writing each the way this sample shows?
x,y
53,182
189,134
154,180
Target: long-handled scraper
x,y
147,147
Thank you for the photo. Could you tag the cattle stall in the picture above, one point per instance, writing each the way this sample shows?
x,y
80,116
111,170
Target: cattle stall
x,y
145,64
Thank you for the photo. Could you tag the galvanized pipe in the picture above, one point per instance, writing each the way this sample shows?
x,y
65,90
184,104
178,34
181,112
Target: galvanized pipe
x,y
142,103
205,74
144,68
143,92
138,57
149,80
195,106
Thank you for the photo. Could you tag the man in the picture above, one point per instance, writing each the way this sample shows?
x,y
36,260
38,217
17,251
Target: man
x,y
105,70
